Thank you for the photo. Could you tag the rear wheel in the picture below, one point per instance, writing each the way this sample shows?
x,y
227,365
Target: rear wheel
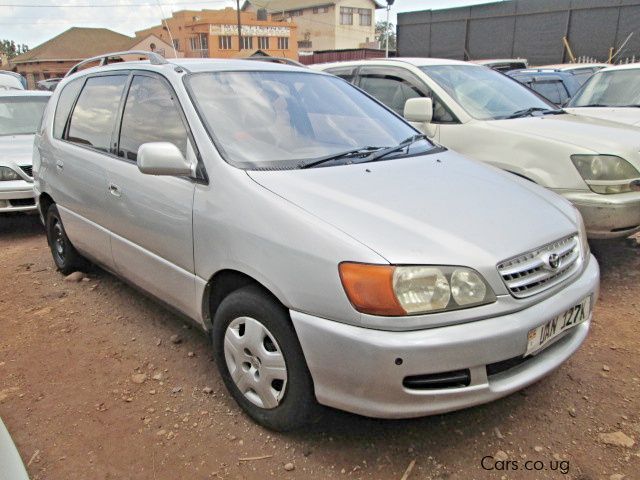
x,y
260,360
65,256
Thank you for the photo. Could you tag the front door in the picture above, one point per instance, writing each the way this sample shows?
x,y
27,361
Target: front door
x,y
152,229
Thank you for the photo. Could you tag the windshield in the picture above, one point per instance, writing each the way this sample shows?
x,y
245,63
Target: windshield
x,y
281,120
484,93
21,115
615,88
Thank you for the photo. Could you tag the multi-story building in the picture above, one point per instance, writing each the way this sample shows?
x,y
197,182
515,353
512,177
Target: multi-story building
x,y
214,33
325,24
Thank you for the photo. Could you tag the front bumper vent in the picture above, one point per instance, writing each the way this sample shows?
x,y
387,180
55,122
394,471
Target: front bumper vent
x,y
434,381
541,269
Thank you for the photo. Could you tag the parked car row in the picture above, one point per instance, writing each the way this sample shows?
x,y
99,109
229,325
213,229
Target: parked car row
x,y
335,252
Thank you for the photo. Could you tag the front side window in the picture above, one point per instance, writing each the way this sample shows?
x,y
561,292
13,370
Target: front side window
x,y
484,93
150,115
394,92
346,16
262,120
615,88
21,115
65,103
551,90
94,116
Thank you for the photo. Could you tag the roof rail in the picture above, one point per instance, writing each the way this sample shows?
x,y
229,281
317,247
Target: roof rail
x,y
154,58
283,60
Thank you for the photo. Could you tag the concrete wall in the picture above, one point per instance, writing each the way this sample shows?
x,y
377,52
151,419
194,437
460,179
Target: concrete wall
x,y
531,29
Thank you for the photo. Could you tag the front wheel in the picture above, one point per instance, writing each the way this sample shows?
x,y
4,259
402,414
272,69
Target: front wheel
x,y
261,361
65,256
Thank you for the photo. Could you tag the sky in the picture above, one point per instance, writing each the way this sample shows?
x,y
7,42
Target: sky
x,y
32,22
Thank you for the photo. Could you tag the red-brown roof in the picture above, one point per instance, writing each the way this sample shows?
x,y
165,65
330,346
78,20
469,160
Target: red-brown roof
x,y
77,44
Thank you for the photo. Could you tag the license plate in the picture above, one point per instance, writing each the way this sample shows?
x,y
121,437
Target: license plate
x,y
538,338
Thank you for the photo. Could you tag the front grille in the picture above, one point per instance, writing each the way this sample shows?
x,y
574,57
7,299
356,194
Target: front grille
x,y
28,169
540,269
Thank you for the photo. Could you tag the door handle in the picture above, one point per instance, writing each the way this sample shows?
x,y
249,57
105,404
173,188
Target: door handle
x,y
115,190
59,165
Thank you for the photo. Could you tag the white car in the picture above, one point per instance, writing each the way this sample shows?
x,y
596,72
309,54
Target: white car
x,y
490,117
11,81
612,94
20,115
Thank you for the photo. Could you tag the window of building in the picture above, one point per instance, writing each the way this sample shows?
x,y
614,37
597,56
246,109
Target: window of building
x,y
283,43
346,16
63,108
305,44
224,42
204,41
194,44
295,13
150,98
247,43
94,116
263,43
365,17
320,9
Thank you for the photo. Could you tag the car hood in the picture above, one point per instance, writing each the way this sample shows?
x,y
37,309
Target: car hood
x,y
439,208
16,148
595,134
628,115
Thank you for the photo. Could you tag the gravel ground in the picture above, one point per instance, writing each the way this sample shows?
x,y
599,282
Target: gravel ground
x,y
93,387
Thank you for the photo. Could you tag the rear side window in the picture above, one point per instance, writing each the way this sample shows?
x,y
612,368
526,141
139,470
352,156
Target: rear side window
x,y
65,103
151,114
94,116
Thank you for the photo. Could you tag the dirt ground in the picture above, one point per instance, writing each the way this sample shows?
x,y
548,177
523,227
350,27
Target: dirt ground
x,y
71,354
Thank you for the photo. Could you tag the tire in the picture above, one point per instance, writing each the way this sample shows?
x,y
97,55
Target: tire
x,y
65,256
253,338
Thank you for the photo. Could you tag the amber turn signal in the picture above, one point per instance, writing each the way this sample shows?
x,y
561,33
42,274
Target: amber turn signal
x,y
370,288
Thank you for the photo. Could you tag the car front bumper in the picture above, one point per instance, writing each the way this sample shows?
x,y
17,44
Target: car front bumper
x,y
17,196
608,216
359,370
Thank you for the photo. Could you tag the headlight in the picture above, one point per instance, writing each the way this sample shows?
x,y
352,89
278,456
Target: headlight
x,y
605,174
404,290
7,173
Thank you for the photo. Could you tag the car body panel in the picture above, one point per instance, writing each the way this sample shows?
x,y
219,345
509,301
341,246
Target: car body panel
x,y
12,466
627,115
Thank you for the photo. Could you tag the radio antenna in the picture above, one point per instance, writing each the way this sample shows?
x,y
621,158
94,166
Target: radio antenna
x,y
166,25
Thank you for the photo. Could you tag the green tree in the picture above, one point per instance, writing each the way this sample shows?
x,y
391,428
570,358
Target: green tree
x,y
382,30
10,48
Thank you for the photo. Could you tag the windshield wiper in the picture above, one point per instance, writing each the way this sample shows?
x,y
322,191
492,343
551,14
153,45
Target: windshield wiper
x,y
339,156
529,111
375,156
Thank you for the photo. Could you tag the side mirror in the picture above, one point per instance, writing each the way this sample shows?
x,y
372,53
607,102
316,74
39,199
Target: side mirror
x,y
419,110
162,158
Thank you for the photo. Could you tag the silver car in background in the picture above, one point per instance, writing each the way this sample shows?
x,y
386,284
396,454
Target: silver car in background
x,y
20,115
331,251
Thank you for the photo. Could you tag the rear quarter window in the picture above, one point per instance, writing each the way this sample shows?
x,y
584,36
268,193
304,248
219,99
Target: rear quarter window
x,y
65,104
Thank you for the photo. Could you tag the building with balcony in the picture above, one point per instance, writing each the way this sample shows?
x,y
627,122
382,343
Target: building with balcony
x,y
325,24
214,34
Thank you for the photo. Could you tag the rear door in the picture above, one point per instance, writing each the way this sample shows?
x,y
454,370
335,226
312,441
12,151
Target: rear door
x,y
82,143
152,240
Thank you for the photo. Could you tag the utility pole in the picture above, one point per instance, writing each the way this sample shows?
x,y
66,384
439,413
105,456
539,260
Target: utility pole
x,y
239,27
386,30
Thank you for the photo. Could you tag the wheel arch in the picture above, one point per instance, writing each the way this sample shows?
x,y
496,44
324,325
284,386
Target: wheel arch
x,y
44,202
225,282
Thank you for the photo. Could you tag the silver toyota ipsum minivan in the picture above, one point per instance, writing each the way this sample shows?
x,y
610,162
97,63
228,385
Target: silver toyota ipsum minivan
x,y
333,254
